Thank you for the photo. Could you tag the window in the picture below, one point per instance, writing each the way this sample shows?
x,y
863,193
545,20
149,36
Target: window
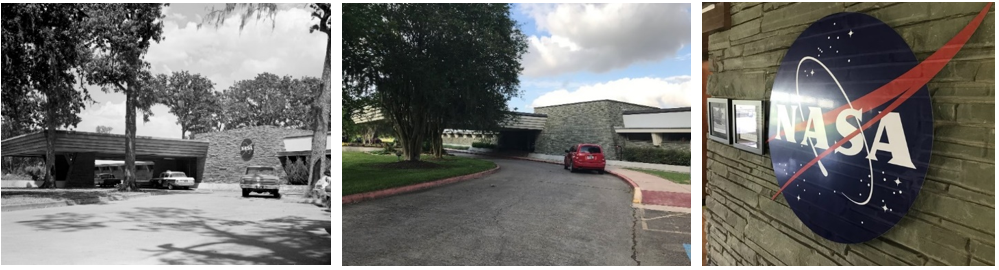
x,y
591,149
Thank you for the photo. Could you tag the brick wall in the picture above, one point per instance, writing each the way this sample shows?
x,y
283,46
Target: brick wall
x,y
583,122
952,221
224,163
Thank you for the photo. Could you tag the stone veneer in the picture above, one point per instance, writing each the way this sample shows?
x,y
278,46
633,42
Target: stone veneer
x,y
583,122
952,221
224,163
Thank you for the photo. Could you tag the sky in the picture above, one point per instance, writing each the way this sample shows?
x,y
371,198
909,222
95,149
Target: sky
x,y
224,55
637,53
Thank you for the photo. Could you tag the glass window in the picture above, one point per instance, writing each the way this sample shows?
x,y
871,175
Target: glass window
x,y
590,149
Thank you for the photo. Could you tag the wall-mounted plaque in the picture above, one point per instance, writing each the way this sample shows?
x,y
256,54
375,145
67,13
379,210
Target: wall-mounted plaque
x,y
719,120
747,125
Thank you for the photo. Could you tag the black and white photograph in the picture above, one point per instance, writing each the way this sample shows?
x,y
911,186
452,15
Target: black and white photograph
x,y
748,125
718,120
166,134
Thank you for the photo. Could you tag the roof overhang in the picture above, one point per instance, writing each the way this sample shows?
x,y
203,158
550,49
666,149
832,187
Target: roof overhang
x,y
652,130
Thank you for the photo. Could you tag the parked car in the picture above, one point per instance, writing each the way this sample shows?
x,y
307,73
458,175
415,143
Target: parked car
x,y
106,180
172,180
260,179
584,157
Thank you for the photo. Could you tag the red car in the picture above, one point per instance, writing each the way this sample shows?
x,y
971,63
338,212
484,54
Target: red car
x,y
584,157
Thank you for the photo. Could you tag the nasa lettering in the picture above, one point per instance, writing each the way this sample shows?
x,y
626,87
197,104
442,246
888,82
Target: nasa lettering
x,y
851,124
246,149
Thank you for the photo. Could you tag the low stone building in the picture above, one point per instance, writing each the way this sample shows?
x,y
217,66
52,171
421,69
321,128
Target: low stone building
x,y
226,163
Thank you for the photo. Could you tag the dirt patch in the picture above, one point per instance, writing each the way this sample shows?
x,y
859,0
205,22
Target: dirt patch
x,y
410,165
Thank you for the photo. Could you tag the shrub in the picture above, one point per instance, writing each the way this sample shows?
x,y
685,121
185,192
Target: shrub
x,y
457,147
36,172
297,173
678,157
388,147
483,145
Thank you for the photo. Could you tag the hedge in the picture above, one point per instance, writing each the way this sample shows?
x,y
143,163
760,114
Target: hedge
x,y
677,157
483,145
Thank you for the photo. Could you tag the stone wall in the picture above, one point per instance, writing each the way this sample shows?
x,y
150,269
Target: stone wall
x,y
952,221
583,122
224,163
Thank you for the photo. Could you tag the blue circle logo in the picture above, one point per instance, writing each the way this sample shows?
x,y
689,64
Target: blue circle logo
x,y
849,146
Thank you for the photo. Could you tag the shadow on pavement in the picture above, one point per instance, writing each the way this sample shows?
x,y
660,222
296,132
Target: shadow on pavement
x,y
286,240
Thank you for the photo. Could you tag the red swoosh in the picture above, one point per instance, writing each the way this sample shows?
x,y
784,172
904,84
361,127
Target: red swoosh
x,y
902,87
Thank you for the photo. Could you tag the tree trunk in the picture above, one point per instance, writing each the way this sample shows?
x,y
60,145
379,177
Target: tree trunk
x,y
49,147
319,131
183,132
128,184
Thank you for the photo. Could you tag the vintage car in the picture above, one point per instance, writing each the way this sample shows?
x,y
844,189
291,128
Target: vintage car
x,y
106,180
172,180
260,179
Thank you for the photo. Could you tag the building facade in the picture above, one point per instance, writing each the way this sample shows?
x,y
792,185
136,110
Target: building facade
x,y
952,221
226,163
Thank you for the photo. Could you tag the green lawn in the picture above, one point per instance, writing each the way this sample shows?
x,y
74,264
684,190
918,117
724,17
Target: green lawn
x,y
363,172
679,178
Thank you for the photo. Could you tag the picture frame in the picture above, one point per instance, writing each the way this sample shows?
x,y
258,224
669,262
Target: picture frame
x,y
719,120
748,131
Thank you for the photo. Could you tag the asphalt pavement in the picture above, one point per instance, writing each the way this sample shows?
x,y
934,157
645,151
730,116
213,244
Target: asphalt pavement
x,y
527,213
214,228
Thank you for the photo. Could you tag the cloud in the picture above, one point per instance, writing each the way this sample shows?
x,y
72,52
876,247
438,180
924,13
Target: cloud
x,y
603,37
657,92
226,54
162,124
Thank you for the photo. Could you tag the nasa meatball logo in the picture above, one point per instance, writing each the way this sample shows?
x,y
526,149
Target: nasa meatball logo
x,y
851,124
246,149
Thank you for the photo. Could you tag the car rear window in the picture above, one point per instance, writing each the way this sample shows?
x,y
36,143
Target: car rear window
x,y
589,149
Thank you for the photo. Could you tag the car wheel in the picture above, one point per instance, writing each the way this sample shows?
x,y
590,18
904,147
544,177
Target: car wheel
x,y
170,186
276,194
572,167
246,192
600,171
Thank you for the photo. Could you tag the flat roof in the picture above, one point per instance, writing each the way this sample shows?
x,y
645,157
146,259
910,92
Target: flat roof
x,y
652,111
529,114
307,135
601,100
104,146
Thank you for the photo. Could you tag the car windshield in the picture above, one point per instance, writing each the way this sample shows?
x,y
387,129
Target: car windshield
x,y
176,174
589,149
259,170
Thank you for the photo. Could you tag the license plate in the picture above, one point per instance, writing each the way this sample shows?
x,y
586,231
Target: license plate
x,y
589,157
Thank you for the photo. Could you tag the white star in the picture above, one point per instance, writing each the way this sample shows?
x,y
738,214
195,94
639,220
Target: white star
x,y
847,60
885,208
899,192
799,197
837,37
897,182
861,222
827,37
813,72
851,33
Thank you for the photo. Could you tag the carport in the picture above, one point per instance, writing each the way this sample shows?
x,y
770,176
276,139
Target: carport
x,y
76,152
521,132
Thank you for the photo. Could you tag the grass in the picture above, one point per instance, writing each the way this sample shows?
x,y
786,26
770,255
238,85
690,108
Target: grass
x,y
675,177
364,172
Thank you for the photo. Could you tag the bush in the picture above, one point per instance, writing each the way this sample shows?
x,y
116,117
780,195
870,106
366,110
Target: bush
x,y
456,147
297,173
388,147
677,157
483,145
36,172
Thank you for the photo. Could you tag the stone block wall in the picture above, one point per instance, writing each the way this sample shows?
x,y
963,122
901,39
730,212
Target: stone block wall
x,y
224,163
952,221
583,122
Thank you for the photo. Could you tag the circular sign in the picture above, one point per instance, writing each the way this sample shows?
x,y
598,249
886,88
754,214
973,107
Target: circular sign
x,y
246,149
849,148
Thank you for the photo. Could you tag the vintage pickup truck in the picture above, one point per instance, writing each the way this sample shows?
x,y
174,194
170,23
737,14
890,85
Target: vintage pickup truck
x,y
172,180
260,179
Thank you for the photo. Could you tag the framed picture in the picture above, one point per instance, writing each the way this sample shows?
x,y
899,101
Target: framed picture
x,y
719,120
747,125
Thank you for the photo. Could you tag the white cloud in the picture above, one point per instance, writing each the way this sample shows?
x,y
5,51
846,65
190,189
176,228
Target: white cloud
x,y
162,124
226,54
603,37
657,92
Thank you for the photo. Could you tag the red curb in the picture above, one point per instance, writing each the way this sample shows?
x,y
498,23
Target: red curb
x,y
354,198
666,198
625,179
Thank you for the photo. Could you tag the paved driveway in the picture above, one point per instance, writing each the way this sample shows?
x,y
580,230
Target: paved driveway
x,y
217,228
527,213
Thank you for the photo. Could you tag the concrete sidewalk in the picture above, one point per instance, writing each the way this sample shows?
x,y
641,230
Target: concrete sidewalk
x,y
657,193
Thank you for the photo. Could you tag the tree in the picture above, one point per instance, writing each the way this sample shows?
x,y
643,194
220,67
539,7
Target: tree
x,y
123,33
270,100
43,46
104,129
192,99
431,66
321,103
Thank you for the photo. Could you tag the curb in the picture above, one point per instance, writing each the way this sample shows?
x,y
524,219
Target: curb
x,y
355,198
19,207
636,191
